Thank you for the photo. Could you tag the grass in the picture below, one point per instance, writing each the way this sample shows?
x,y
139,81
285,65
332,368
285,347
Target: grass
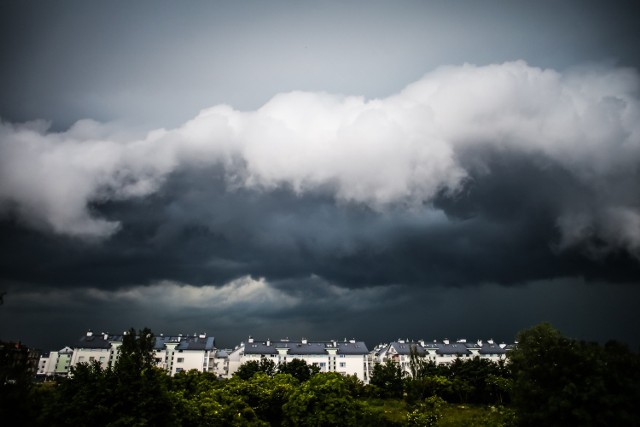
x,y
394,412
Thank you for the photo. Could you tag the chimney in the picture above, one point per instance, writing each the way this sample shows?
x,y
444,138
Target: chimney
x,y
268,342
250,340
89,333
304,341
446,340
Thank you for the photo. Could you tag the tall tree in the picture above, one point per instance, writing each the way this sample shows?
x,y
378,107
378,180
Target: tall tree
x,y
299,369
248,369
132,392
387,377
563,382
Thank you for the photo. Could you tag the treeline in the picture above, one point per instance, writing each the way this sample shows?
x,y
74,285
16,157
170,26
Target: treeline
x,y
549,380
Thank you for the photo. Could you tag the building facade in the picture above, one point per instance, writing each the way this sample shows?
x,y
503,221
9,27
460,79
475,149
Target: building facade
x,y
172,354
439,352
181,353
345,357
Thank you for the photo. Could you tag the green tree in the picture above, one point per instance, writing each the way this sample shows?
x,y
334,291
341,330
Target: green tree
x,y
131,392
299,369
388,379
563,382
324,400
252,367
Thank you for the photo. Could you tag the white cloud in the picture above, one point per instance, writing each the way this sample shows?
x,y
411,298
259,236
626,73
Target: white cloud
x,y
399,150
240,296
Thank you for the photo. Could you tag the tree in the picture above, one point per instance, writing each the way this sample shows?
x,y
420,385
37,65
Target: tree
x,y
387,377
299,369
16,380
563,382
324,400
252,367
131,392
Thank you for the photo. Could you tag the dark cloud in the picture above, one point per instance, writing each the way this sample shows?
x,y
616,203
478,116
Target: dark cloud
x,y
501,227
479,199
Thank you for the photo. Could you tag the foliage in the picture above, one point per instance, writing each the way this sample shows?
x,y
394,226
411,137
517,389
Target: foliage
x,y
382,412
324,400
388,379
15,380
132,392
562,382
427,413
476,416
252,367
299,369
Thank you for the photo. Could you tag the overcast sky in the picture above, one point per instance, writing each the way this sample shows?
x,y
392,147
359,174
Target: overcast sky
x,y
337,169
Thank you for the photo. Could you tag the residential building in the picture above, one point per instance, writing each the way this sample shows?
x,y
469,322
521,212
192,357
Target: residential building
x,y
345,357
55,363
440,352
171,353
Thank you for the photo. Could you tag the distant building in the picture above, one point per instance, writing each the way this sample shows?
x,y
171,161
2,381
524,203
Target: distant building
x,y
173,354
179,353
55,363
345,357
18,362
440,352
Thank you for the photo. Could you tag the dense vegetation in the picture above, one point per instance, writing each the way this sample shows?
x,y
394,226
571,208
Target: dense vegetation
x,y
550,380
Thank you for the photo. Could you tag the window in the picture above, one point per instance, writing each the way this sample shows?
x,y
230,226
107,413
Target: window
x,y
80,359
343,364
91,359
178,370
322,364
180,360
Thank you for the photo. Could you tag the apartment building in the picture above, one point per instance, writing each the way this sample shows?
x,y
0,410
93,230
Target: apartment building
x,y
348,357
440,352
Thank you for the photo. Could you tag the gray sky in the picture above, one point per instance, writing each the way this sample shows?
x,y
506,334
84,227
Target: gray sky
x,y
368,169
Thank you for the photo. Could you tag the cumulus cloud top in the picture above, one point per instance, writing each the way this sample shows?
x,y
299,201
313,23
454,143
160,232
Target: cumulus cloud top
x,y
402,150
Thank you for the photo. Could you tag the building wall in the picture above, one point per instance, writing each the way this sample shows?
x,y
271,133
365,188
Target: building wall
x,y
186,360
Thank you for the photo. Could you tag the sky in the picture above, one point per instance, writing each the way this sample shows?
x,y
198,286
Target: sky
x,y
340,169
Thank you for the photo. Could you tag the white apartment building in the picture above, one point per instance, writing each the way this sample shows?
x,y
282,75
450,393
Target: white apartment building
x,y
345,357
172,353
55,363
180,353
440,352
185,353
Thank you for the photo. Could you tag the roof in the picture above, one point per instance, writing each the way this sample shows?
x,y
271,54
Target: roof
x,y
184,342
98,341
404,348
259,348
492,349
306,347
196,343
452,348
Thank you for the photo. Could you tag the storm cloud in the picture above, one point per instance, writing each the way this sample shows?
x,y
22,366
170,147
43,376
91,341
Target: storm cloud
x,y
327,185
403,150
